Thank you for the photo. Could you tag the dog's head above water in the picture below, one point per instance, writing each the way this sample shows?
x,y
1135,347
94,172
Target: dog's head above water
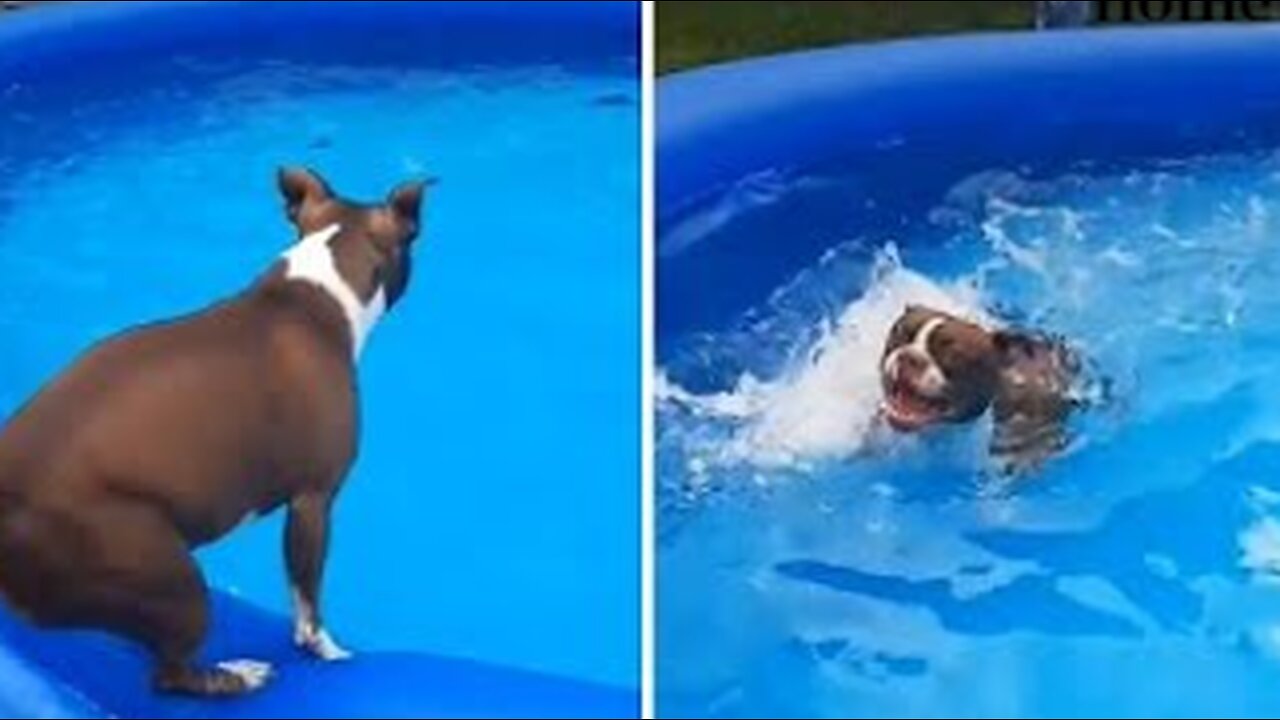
x,y
939,369
371,245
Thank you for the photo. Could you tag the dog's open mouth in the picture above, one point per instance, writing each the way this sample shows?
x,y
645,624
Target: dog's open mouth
x,y
907,410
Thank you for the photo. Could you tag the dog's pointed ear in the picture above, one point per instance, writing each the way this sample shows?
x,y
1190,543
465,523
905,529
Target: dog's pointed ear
x,y
406,200
299,187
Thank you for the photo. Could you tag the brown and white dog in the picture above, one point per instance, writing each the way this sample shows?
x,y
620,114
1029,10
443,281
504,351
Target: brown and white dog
x,y
168,436
940,369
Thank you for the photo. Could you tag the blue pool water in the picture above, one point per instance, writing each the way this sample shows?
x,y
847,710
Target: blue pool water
x,y
493,513
813,566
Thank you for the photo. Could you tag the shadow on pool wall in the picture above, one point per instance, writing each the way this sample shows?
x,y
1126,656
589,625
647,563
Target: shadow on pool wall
x,y
896,127
530,607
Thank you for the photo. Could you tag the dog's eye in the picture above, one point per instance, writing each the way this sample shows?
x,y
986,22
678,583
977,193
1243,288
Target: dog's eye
x,y
898,334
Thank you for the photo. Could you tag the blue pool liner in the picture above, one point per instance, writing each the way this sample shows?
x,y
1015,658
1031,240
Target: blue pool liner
x,y
906,120
87,675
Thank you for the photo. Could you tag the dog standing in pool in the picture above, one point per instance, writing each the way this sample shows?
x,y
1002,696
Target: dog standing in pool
x,y
168,436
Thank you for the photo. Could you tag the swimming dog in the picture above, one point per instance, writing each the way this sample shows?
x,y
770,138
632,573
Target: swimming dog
x,y
940,369
168,436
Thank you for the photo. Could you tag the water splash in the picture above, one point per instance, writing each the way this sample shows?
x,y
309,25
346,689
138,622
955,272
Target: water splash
x,y
825,406
806,547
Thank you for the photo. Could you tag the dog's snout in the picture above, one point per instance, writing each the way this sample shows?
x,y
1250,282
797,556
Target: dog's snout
x,y
906,366
913,363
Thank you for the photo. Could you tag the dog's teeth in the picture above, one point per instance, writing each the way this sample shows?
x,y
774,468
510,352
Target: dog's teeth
x,y
254,674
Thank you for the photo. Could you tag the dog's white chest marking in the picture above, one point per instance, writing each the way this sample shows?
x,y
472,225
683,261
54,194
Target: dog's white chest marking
x,y
311,260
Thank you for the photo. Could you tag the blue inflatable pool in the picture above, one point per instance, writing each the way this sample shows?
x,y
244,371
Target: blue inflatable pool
x,y
464,573
917,116
86,676
1119,187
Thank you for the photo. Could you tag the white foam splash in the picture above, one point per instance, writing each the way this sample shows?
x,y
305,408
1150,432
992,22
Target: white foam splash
x,y
825,406
1260,550
1259,541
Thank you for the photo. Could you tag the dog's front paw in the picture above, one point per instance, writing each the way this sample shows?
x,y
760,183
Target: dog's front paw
x,y
318,642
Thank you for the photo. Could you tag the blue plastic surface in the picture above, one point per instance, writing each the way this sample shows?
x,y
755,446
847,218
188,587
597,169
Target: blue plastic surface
x,y
919,115
64,49
84,675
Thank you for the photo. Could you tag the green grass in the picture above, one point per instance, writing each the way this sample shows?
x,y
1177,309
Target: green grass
x,y
696,33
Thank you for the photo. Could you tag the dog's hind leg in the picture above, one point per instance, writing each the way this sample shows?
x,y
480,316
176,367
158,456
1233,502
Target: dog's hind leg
x,y
143,584
173,627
